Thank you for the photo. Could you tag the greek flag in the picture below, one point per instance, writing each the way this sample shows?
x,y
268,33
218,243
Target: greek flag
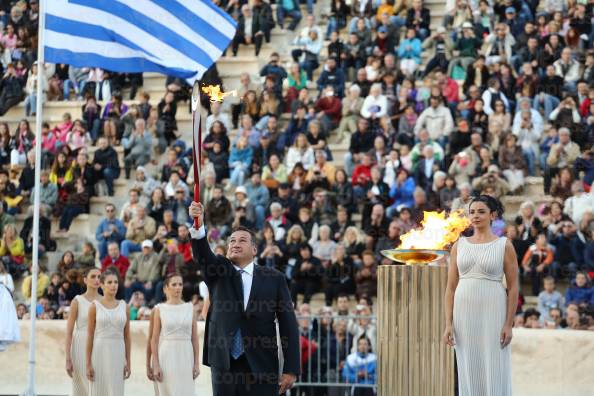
x,y
181,38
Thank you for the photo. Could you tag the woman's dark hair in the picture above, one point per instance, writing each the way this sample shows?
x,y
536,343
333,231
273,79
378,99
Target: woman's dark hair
x,y
111,271
88,270
169,277
492,203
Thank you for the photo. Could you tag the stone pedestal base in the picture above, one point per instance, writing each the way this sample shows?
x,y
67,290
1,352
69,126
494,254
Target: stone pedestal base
x,y
412,359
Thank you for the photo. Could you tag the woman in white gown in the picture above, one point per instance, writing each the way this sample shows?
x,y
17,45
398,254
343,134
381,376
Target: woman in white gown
x,y
175,343
479,310
108,341
9,323
76,333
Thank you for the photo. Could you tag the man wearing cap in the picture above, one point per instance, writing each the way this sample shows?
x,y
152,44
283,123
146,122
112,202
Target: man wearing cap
x,y
241,201
465,49
439,46
493,180
143,272
240,341
515,23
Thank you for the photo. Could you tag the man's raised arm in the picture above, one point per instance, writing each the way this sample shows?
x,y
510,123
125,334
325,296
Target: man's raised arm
x,y
212,266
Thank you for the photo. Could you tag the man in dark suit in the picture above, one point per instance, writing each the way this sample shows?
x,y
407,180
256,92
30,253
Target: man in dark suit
x,y
240,342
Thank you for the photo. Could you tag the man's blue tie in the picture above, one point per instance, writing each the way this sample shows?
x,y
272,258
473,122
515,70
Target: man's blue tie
x,y
236,343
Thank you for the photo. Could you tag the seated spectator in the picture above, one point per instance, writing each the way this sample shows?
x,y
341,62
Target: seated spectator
x,y
11,89
307,275
218,212
78,138
269,251
308,52
82,170
61,175
338,276
87,258
354,244
567,258
300,152
512,163
137,305
579,203
333,76
67,263
274,71
220,161
536,262
43,282
250,29
170,261
111,229
240,161
143,273
175,183
351,108
366,276
562,185
48,192
360,366
12,251
274,173
140,228
324,247
139,147
418,19
409,52
77,203
144,183
401,192
106,164
580,290
112,114
569,69
549,299
278,221
291,9
116,260
31,90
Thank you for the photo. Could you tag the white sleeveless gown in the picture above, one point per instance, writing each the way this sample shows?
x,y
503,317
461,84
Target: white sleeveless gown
x,y
80,383
109,354
176,354
480,305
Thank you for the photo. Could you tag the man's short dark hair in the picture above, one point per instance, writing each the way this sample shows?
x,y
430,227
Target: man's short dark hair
x,y
248,230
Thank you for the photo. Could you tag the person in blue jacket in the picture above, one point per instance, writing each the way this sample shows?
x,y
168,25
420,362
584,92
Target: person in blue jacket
x,y
580,291
360,368
402,191
409,53
332,75
240,161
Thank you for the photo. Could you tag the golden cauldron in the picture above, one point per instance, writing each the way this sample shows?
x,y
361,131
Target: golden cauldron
x,y
414,256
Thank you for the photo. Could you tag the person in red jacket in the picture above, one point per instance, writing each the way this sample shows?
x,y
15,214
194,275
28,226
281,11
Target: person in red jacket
x,y
115,259
362,175
328,109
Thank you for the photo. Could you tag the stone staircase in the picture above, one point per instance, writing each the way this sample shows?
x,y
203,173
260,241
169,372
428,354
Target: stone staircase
x,y
230,69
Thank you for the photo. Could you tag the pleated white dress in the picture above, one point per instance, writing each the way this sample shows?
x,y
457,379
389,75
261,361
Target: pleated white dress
x,y
80,383
109,354
480,305
176,354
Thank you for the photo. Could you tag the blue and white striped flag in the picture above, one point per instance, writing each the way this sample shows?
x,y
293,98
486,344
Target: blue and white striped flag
x,y
182,38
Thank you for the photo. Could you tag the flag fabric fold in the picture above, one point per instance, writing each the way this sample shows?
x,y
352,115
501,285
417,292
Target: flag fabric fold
x,y
181,38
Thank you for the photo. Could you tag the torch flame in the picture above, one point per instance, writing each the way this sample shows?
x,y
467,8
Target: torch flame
x,y
437,231
215,94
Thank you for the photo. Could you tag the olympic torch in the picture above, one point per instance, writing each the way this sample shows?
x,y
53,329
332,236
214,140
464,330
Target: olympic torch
x,y
197,140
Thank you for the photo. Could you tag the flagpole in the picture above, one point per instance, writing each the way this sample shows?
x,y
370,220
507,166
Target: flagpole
x,y
30,391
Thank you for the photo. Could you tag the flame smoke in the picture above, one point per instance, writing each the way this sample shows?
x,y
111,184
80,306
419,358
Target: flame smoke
x,y
437,231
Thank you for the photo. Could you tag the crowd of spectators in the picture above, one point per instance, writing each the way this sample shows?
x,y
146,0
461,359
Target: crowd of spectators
x,y
432,112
